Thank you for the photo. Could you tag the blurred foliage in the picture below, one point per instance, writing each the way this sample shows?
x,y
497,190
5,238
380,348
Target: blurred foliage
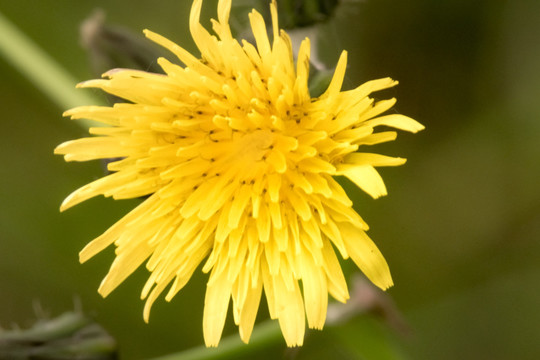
x,y
299,13
70,336
460,227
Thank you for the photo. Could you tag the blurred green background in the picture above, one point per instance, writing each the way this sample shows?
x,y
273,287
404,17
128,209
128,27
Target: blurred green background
x,y
460,227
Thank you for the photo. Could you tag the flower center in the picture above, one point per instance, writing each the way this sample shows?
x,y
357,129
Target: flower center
x,y
254,146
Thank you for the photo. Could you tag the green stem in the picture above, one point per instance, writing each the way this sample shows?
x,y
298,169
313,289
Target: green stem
x,y
264,335
40,68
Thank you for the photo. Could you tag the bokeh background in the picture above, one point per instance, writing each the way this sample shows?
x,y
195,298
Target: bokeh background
x,y
460,227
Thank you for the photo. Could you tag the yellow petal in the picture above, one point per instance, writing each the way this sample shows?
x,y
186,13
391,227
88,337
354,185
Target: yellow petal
x,y
259,32
366,256
216,303
248,312
339,75
397,121
337,286
357,158
366,178
290,312
315,292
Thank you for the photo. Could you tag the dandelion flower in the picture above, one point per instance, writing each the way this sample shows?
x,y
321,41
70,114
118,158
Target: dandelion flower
x,y
237,164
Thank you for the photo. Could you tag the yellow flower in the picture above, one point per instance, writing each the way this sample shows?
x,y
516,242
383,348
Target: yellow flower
x,y
237,161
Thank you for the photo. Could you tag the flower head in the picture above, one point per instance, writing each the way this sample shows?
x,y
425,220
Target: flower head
x,y
238,162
